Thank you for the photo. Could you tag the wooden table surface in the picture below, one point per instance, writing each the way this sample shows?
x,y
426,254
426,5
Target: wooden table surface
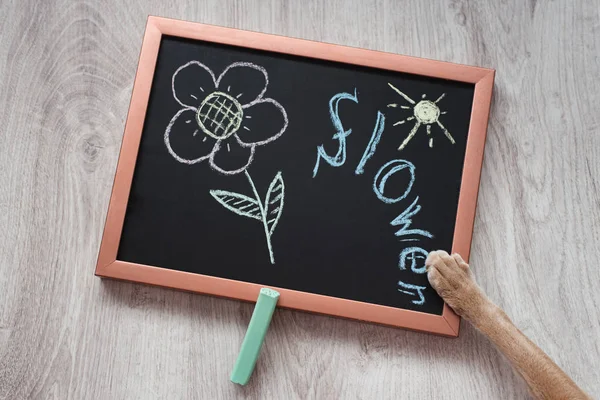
x,y
66,72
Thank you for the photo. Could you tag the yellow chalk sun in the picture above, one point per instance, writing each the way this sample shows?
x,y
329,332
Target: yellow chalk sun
x,y
425,112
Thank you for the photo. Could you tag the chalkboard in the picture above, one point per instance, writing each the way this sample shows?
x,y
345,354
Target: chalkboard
x,y
355,216
324,172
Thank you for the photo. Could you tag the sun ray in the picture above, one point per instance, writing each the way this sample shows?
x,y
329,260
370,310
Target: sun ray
x,y
410,135
404,120
195,132
411,101
448,135
426,112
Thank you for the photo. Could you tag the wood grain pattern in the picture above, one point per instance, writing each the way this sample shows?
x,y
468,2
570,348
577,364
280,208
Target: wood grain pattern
x,y
66,71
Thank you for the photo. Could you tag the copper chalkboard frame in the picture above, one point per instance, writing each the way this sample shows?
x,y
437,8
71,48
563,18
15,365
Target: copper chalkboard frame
x,y
108,266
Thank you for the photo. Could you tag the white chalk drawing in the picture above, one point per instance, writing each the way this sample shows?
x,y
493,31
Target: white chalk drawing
x,y
268,212
425,112
407,288
216,119
223,115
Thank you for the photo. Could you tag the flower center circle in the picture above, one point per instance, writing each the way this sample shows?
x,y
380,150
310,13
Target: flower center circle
x,y
219,115
426,112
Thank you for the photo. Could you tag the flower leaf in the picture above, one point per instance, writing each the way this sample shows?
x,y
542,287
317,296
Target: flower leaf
x,y
274,202
238,203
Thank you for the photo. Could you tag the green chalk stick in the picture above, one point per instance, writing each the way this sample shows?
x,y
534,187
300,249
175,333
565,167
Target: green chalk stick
x,y
255,336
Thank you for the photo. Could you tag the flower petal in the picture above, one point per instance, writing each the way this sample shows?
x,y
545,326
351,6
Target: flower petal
x,y
245,81
263,122
185,140
191,83
230,157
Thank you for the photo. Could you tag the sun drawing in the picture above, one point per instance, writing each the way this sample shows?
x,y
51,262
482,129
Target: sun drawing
x,y
425,112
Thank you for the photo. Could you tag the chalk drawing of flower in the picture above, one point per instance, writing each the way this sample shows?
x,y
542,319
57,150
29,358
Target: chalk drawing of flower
x,y
224,120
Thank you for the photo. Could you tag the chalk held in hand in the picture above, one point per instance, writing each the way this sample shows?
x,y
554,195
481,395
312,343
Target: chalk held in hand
x,y
255,336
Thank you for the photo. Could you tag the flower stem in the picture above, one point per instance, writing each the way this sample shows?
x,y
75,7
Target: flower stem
x,y
263,215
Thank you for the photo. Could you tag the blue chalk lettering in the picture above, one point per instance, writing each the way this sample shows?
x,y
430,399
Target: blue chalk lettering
x,y
419,290
405,220
340,158
372,146
380,181
413,254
